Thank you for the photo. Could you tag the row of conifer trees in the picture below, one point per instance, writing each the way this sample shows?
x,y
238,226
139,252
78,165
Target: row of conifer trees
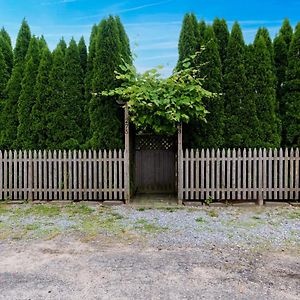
x,y
259,105
48,99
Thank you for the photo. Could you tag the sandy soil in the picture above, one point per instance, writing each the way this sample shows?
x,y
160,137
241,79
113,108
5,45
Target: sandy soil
x,y
65,268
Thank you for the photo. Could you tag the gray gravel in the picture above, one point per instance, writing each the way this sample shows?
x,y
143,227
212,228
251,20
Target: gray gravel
x,y
209,253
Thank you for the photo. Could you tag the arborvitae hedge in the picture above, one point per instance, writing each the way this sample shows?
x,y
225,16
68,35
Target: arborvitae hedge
x,y
291,118
9,113
42,106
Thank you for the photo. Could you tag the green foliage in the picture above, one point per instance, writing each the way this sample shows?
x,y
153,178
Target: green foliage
x,y
286,31
264,32
82,54
73,100
104,111
264,94
189,40
222,36
159,105
9,113
55,115
27,96
210,134
6,49
241,120
39,130
292,93
4,76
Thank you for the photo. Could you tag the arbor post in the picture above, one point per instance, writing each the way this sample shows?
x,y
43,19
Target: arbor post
x,y
180,165
127,155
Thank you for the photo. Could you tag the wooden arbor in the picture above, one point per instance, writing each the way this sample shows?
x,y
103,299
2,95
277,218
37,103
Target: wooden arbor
x,y
163,159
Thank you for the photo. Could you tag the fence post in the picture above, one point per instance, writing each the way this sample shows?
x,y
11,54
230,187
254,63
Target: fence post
x,y
180,165
30,183
127,156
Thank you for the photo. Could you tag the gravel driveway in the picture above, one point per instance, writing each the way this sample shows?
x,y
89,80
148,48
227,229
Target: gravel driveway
x,y
79,252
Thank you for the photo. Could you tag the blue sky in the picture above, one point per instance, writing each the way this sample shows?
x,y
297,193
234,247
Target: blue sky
x,y
152,25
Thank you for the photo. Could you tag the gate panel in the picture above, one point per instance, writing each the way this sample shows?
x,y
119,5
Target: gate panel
x,y
155,164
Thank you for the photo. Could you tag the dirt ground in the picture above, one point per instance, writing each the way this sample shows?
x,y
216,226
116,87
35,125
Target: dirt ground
x,y
66,266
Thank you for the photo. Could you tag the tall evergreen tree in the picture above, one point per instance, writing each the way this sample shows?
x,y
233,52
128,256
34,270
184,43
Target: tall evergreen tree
x,y
292,93
27,96
264,94
63,45
222,34
281,47
55,116
124,41
8,133
104,110
210,134
189,40
73,100
7,51
42,106
202,27
82,54
4,76
240,114
286,31
264,32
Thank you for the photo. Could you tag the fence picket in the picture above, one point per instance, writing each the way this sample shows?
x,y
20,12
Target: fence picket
x,y
197,177
202,159
233,173
100,174
20,175
1,176
192,160
90,176
286,173
297,179
275,183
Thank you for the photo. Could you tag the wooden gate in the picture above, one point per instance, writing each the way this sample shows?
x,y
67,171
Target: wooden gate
x,y
155,164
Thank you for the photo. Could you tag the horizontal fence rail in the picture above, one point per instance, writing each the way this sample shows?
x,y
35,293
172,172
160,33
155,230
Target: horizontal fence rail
x,y
241,174
62,175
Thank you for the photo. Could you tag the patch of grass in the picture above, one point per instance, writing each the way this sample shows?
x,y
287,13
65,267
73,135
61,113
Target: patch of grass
x,y
4,209
144,225
170,209
294,215
31,227
256,217
43,210
200,220
75,209
213,213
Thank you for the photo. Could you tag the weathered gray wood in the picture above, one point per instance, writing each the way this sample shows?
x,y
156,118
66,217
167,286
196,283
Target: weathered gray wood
x,y
20,175
180,165
291,177
35,175
192,160
255,183
60,175
105,185
110,175
45,176
186,164
202,166
275,184
265,171
244,192
85,175
15,168
115,175
126,155
50,175
30,176
249,174
65,180
90,181
40,176
228,178
197,177
218,175
120,169
26,176
80,179
239,177
281,158
260,178
269,174
286,173
5,175
75,179
10,168
95,168
233,177
100,174
223,175
212,173
55,175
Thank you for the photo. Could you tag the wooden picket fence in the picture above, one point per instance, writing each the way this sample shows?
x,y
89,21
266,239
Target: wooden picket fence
x,y
240,174
61,175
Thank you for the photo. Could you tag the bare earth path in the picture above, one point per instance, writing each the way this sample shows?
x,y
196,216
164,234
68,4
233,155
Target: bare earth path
x,y
142,263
